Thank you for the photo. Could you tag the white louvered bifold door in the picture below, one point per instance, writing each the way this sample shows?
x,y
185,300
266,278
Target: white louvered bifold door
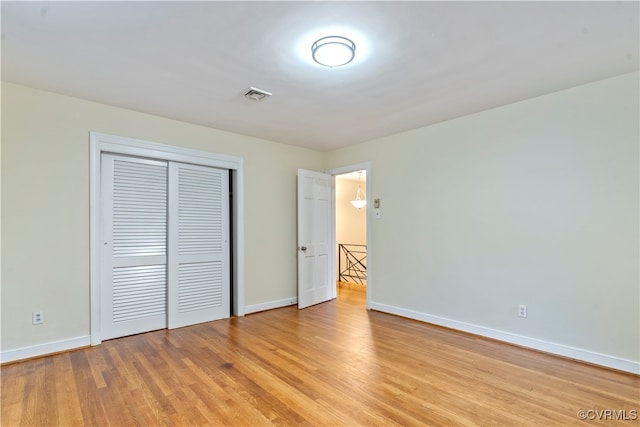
x,y
199,286
134,241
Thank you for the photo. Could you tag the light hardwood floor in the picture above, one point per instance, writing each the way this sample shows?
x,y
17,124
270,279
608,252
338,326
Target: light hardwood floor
x,y
331,364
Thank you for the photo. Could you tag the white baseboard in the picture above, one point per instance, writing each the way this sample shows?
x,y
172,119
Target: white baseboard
x,y
84,341
270,305
44,349
548,347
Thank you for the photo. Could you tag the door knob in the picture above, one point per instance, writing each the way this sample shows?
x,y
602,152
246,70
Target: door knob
x,y
303,248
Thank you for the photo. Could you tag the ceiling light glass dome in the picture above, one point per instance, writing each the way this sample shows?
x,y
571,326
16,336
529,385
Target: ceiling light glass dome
x,y
333,51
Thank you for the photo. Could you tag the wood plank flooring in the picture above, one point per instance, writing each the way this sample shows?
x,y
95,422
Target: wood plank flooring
x,y
332,364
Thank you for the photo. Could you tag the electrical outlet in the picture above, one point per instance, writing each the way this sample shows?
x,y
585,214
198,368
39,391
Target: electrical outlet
x,y
37,317
522,310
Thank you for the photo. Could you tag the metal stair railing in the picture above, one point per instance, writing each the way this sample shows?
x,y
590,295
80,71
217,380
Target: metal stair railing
x,y
352,263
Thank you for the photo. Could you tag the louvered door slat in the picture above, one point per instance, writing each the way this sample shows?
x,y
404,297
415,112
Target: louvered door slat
x,y
199,288
139,194
134,289
199,207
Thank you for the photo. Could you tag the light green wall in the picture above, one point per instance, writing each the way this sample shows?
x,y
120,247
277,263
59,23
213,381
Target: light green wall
x,y
45,207
532,203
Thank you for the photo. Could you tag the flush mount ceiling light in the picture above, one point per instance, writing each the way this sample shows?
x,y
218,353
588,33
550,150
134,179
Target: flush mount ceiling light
x,y
333,51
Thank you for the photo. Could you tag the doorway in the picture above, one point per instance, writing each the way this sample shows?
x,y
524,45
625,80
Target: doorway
x,y
351,231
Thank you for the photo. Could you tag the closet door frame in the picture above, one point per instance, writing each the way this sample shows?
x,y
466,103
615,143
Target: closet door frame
x,y
103,143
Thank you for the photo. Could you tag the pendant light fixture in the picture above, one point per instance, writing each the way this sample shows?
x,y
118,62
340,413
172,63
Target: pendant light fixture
x,y
359,201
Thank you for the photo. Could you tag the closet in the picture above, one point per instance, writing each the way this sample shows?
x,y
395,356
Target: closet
x,y
164,234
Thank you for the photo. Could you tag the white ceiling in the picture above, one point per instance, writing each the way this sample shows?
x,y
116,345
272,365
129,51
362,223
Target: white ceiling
x,y
417,63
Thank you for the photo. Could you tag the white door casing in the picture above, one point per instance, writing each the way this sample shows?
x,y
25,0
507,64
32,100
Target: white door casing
x,y
134,241
101,144
315,278
198,267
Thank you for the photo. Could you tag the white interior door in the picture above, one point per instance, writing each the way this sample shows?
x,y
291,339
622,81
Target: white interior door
x,y
315,278
133,245
199,285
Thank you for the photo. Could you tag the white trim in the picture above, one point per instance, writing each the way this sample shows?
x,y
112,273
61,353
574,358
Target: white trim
x,y
100,143
44,349
366,166
237,231
533,343
271,305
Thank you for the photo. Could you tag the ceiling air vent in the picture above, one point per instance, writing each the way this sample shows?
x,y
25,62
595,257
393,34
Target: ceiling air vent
x,y
256,94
